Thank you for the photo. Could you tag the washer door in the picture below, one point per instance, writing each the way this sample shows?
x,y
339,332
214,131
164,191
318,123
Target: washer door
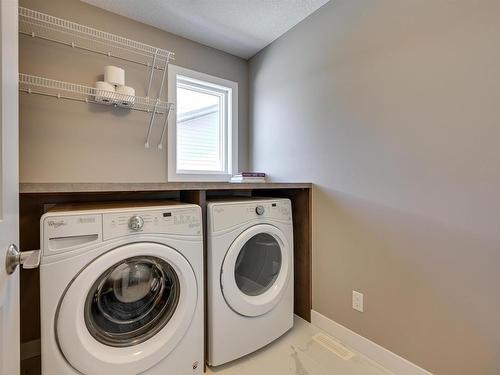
x,y
256,270
127,310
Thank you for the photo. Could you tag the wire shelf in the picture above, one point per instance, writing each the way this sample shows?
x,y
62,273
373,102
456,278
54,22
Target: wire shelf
x,y
66,90
45,26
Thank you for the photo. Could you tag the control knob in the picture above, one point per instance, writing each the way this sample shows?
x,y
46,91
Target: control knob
x,y
259,210
136,223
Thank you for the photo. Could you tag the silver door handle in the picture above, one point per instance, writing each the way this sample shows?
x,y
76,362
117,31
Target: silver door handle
x,y
14,258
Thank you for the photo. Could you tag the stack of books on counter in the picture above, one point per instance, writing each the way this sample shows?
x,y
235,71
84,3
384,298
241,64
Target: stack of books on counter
x,y
249,177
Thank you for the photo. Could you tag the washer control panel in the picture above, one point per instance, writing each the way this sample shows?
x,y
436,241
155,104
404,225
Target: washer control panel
x,y
227,215
185,221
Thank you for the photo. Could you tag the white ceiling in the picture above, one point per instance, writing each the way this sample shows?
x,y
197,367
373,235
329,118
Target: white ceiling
x,y
240,27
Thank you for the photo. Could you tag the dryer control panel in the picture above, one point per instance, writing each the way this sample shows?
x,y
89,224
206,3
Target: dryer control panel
x,y
228,214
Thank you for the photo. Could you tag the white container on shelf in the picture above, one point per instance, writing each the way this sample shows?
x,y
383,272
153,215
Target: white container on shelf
x,y
105,92
114,75
125,97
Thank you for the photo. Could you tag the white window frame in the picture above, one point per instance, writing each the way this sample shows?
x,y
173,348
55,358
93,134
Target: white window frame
x,y
230,123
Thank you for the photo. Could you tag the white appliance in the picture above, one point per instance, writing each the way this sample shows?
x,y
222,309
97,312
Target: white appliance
x,y
122,290
250,276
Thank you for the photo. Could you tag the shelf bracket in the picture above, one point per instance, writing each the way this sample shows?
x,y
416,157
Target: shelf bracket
x,y
165,126
157,101
148,136
163,78
152,72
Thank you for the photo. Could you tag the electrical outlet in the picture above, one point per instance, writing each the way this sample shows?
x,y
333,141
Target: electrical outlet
x,y
357,301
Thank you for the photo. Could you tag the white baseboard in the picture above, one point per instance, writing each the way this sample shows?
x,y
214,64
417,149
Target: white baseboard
x,y
384,357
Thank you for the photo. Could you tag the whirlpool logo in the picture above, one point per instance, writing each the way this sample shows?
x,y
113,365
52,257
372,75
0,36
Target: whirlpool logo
x,y
56,223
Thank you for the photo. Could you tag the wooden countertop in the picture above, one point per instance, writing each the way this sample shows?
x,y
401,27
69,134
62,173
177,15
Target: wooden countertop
x,y
50,188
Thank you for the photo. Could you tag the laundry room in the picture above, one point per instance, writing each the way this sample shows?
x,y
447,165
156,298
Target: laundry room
x,y
241,187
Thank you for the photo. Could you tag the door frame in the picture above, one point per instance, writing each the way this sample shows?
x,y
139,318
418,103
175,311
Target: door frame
x,y
9,187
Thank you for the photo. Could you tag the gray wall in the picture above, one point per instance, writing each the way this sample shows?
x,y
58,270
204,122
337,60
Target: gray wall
x,y
392,108
64,141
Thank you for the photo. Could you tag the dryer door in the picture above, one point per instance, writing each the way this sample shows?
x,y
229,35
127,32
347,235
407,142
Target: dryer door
x,y
127,310
256,270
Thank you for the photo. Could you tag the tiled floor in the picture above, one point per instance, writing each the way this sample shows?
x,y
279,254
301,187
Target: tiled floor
x,y
298,354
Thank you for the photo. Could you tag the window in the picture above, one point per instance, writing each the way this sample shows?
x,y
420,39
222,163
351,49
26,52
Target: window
x,y
203,137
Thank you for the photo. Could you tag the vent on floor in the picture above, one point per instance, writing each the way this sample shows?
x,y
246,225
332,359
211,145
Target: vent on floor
x,y
333,346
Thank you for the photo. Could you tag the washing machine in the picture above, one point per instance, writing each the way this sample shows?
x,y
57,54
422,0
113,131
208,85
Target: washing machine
x,y
122,289
249,275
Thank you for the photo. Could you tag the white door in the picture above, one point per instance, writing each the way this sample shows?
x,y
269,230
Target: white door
x,y
256,270
9,198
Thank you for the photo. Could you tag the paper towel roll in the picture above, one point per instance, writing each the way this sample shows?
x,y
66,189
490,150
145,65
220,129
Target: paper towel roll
x,y
114,75
125,97
104,92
